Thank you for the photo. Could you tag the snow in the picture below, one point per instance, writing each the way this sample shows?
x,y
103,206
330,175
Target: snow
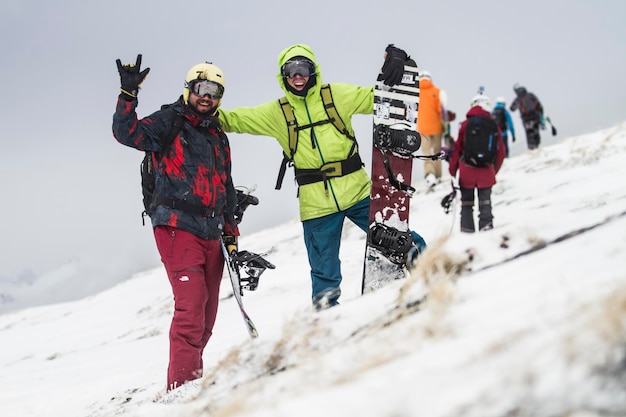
x,y
528,319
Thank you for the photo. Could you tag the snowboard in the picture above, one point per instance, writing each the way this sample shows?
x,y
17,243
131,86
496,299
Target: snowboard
x,y
395,138
235,280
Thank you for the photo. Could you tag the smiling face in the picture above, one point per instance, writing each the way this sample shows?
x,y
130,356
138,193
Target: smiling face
x,y
298,82
203,105
299,75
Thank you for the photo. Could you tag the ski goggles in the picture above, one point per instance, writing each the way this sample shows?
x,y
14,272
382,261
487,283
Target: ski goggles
x,y
296,66
202,88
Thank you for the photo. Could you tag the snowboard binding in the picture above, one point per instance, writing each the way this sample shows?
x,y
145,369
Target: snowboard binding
x,y
253,265
244,200
394,244
401,142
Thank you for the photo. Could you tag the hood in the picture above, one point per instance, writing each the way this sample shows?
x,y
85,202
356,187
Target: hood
x,y
478,111
293,51
425,83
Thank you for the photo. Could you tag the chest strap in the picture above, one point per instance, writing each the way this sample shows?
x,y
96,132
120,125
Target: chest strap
x,y
182,205
328,170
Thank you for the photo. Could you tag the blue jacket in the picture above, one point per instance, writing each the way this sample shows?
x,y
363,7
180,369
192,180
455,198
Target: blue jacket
x,y
509,120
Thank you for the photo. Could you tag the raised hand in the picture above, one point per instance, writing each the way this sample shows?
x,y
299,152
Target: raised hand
x,y
393,67
131,77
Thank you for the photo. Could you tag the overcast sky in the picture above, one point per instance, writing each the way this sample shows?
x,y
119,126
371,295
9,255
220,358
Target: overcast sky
x,y
65,181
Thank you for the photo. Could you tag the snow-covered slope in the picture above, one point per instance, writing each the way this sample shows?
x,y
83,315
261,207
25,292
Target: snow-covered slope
x,y
526,320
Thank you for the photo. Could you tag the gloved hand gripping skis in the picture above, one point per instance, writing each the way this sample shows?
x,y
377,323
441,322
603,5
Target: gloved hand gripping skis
x,y
252,264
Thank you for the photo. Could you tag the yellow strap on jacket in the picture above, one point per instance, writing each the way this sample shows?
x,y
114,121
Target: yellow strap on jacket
x,y
293,129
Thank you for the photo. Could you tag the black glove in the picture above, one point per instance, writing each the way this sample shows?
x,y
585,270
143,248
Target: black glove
x,y
393,67
513,138
447,151
131,78
231,244
446,202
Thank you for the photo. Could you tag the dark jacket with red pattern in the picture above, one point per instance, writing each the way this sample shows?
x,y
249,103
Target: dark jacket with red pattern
x,y
194,168
471,176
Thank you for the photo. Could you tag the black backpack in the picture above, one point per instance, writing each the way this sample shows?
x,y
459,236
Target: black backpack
x,y
148,177
481,141
528,104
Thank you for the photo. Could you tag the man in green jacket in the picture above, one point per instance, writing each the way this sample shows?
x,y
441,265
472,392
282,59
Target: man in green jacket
x,y
326,196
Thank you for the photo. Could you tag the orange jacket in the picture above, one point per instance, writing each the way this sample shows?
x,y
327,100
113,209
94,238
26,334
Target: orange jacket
x,y
429,120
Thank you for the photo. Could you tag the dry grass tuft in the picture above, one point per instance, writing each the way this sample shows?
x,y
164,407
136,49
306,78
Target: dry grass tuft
x,y
610,325
437,270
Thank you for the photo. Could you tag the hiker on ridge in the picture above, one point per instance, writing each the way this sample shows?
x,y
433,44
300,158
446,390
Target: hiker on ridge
x,y
472,177
504,121
194,203
431,124
326,200
531,111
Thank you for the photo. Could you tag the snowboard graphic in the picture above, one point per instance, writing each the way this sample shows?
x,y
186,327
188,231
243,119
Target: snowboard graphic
x,y
395,138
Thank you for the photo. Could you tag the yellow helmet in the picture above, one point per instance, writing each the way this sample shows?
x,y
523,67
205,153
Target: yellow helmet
x,y
204,71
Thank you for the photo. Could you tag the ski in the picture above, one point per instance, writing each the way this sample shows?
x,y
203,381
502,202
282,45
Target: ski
x,y
552,126
235,280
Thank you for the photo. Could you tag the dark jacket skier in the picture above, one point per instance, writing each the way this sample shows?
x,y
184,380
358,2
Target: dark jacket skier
x,y
195,202
531,112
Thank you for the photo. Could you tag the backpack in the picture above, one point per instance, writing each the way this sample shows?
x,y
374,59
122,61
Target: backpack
x,y
150,160
499,116
349,165
481,141
528,104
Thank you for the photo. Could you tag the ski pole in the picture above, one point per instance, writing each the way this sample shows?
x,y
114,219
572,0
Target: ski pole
x,y
552,126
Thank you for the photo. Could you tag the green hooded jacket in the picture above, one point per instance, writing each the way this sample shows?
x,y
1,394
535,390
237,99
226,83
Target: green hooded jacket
x,y
330,145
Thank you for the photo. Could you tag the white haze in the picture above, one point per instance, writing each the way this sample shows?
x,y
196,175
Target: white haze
x,y
528,319
70,194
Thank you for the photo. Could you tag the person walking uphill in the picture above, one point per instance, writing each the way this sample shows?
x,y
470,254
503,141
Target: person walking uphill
x,y
504,121
194,202
531,111
333,185
478,162
431,121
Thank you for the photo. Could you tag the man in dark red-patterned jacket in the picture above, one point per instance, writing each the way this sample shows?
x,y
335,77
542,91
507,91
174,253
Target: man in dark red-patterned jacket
x,y
473,177
194,202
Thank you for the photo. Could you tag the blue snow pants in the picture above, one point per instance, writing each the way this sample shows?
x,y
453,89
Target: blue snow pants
x,y
322,237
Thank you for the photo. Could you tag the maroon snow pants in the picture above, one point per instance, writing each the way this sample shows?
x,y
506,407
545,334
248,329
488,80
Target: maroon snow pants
x,y
194,267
